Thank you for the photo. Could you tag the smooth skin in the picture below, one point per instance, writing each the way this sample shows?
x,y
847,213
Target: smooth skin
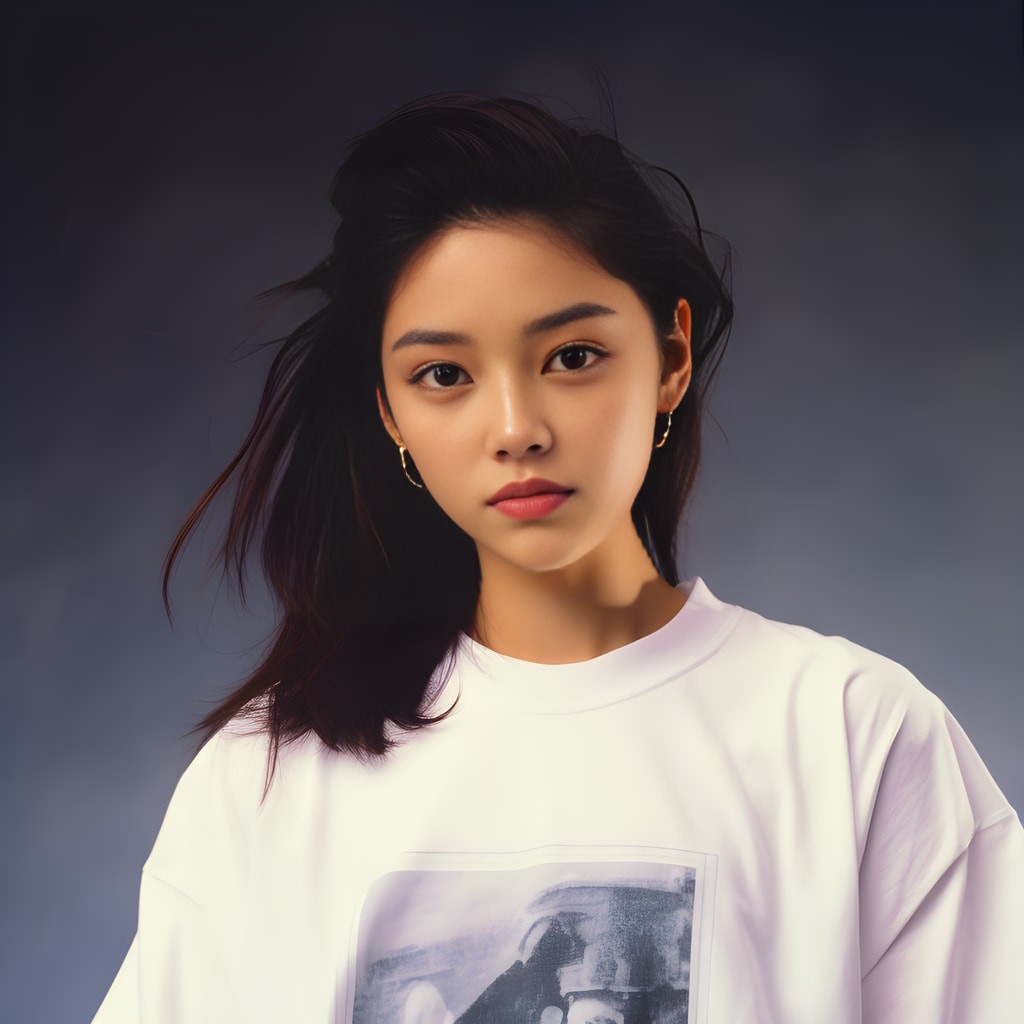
x,y
575,405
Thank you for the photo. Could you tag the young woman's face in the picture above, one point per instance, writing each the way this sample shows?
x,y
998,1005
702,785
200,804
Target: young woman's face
x,y
485,393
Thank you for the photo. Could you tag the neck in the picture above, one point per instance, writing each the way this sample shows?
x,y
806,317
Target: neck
x,y
575,613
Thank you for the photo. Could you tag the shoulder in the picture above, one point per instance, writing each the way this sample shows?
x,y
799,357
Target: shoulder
x,y
891,717
919,792
897,733
228,771
227,791
810,663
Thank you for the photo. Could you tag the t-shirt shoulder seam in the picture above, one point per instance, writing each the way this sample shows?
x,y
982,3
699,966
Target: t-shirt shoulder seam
x,y
153,876
995,818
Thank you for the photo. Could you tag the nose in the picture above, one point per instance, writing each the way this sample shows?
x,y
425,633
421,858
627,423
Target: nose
x,y
517,425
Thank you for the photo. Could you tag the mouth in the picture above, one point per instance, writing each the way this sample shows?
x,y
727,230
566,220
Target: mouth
x,y
532,506
533,487
530,499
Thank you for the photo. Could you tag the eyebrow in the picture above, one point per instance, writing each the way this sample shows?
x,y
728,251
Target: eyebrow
x,y
548,322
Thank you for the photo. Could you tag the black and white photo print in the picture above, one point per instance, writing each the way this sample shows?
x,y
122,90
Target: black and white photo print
x,y
443,941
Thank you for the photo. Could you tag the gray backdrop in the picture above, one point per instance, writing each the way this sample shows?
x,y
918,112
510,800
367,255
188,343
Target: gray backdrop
x,y
866,160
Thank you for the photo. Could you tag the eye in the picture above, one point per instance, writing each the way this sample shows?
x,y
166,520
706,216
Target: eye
x,y
575,357
437,376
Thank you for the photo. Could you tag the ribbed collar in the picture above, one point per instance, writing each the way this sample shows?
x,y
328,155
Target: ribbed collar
x,y
483,676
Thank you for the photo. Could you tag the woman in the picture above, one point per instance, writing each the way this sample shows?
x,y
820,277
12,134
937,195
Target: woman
x,y
500,763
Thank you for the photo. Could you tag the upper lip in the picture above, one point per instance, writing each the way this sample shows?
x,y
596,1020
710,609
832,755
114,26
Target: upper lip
x,y
521,488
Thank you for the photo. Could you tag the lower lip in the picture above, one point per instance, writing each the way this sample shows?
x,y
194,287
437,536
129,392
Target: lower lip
x,y
532,506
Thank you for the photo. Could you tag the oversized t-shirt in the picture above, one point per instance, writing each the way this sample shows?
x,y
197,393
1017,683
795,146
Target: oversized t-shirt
x,y
727,820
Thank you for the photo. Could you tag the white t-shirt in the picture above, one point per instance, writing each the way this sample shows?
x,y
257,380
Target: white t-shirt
x,y
727,820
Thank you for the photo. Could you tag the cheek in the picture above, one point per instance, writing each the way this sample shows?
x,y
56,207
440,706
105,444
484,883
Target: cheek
x,y
441,444
447,460
618,436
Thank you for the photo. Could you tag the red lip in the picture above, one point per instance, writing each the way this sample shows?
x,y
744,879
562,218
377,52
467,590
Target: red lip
x,y
535,485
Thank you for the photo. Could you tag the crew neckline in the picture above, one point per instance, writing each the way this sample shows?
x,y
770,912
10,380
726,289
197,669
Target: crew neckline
x,y
481,674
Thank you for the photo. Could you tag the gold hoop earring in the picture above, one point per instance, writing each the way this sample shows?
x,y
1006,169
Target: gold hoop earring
x,y
668,427
401,454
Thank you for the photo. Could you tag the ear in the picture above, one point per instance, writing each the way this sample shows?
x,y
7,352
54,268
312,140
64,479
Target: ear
x,y
386,418
677,365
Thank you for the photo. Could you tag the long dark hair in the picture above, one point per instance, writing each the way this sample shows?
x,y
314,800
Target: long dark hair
x,y
374,583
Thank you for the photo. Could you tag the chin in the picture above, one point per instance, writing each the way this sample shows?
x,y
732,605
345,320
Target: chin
x,y
542,558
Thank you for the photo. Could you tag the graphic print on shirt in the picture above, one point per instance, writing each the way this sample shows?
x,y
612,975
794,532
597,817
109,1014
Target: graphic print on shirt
x,y
491,938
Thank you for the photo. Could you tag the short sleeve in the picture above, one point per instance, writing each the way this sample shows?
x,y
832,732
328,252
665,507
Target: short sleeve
x,y
941,878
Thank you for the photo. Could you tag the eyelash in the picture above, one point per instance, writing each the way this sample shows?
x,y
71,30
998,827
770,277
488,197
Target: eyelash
x,y
577,346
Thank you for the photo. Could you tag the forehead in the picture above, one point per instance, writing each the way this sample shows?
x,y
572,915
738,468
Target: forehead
x,y
516,269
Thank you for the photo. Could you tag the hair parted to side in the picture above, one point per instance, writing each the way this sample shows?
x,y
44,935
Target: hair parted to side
x,y
374,583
